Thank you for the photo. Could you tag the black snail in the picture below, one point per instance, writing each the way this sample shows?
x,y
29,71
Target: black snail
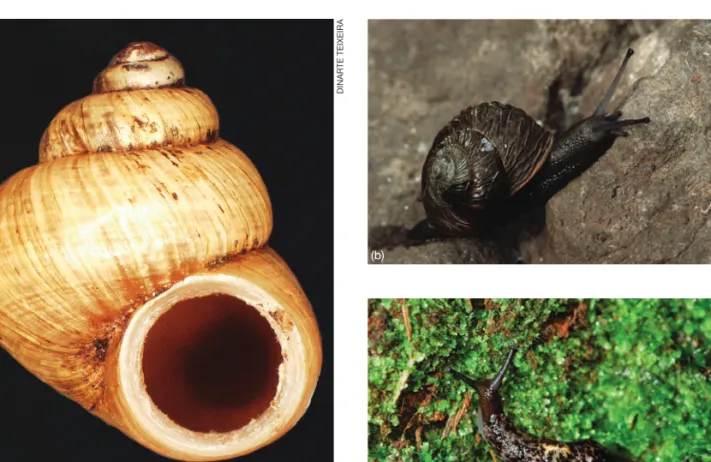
x,y
494,158
512,445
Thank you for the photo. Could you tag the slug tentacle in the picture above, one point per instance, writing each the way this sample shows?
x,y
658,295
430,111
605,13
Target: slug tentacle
x,y
499,378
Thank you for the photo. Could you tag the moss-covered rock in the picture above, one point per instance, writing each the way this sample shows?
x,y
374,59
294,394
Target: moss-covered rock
x,y
626,373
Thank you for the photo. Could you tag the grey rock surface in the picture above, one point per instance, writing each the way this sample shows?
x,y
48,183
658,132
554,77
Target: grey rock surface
x,y
646,201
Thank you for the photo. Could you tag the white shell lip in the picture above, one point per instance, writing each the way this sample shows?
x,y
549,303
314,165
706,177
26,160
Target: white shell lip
x,y
158,427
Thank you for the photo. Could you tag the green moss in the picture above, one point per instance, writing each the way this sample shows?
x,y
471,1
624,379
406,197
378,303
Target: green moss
x,y
630,373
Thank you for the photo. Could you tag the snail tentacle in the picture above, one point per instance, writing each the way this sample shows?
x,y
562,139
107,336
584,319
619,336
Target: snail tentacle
x,y
602,107
581,146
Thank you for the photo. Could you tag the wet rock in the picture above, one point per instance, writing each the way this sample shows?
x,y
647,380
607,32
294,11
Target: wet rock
x,y
422,73
648,199
459,250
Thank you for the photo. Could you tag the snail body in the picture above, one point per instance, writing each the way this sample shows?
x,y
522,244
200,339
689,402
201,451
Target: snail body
x,y
512,445
494,160
135,273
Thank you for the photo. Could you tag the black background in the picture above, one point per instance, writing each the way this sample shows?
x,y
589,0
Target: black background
x,y
271,82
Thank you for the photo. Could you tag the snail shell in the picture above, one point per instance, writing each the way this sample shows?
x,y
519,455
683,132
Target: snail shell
x,y
476,146
135,277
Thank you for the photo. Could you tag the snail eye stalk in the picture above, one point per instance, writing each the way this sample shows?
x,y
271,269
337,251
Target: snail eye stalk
x,y
613,86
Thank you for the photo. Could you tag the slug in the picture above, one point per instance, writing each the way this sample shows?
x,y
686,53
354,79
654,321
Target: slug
x,y
511,444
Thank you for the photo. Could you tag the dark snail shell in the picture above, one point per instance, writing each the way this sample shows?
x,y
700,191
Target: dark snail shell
x,y
497,149
521,143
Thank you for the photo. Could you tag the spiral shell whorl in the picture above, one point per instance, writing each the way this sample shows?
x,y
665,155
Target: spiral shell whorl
x,y
139,102
134,191
140,65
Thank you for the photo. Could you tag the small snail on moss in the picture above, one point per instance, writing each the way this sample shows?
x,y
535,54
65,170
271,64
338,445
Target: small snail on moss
x,y
511,445
494,159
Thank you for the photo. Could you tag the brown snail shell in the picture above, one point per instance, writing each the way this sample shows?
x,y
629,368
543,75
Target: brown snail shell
x,y
517,141
521,143
135,277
